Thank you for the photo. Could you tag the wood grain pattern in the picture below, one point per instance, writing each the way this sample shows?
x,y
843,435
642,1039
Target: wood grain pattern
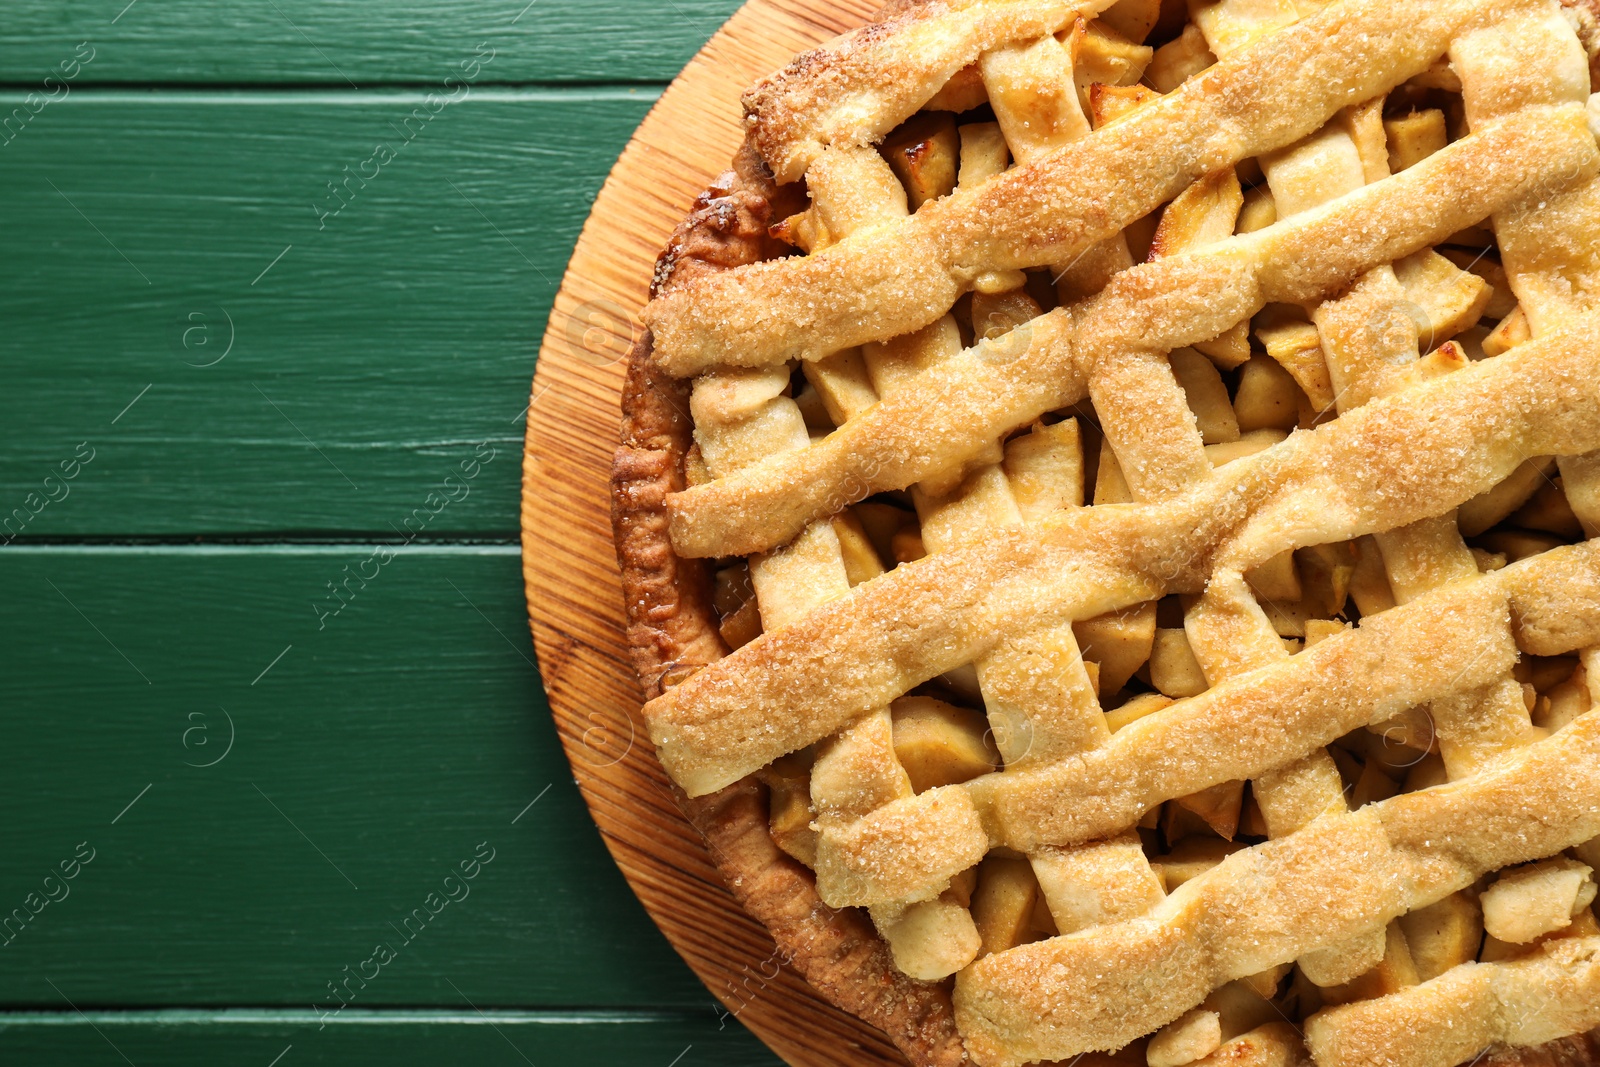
x,y
573,590
403,732
386,336
315,41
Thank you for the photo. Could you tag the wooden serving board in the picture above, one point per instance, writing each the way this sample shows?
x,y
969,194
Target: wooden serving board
x,y
574,592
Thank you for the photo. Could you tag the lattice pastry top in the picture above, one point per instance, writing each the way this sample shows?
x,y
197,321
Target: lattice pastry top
x,y
1103,510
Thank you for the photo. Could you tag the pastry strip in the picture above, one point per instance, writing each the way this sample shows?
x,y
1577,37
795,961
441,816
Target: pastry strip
x,y
900,278
1340,875
857,770
853,90
952,411
1552,993
1228,630
1552,260
1040,702
1350,477
1455,640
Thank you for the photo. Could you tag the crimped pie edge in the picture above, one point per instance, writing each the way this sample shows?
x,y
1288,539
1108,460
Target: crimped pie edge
x,y
672,630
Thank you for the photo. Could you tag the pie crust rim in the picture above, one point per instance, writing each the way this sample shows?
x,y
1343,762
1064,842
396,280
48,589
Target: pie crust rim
x,y
672,630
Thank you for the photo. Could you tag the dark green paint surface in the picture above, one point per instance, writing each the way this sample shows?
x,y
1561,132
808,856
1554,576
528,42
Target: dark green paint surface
x,y
227,388
368,42
461,1036
373,751
329,393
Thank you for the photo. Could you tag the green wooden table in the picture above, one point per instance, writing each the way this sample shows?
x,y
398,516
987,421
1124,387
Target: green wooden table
x,y
274,278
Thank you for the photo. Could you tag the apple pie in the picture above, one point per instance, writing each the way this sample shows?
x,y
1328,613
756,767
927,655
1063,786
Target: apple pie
x,y
1103,510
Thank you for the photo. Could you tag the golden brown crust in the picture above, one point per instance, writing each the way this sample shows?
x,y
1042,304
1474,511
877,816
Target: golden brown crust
x,y
1386,464
666,595
949,414
900,278
857,87
1552,989
672,625
1340,875
672,629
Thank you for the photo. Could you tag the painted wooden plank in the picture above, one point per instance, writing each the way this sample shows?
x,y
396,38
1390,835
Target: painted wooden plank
x,y
393,780
205,293
361,43
293,1039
